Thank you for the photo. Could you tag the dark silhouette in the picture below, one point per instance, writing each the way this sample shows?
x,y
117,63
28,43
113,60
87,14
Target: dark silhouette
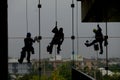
x,y
57,40
28,48
99,38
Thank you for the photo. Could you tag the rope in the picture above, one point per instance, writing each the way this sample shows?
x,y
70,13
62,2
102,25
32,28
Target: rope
x,y
77,27
39,6
73,18
56,11
106,35
55,25
106,50
26,16
72,6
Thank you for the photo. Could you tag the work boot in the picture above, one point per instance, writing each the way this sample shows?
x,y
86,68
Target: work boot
x,y
20,61
29,62
87,43
58,50
48,48
101,52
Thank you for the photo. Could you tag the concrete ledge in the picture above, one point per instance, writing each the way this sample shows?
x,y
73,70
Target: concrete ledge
x,y
78,75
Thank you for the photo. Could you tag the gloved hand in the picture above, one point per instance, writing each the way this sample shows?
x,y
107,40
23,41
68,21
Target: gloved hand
x,y
35,38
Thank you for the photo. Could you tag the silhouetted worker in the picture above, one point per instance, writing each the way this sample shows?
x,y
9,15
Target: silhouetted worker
x,y
28,48
57,40
98,38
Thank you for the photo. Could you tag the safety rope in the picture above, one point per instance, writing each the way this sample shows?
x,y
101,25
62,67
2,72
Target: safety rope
x,y
106,35
56,26
56,12
26,16
77,29
39,6
73,37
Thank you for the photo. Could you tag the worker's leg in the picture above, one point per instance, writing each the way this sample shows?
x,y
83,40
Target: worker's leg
x,y
101,47
28,56
23,54
90,44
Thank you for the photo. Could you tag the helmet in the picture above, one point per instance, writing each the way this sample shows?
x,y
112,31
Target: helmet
x,y
61,29
28,34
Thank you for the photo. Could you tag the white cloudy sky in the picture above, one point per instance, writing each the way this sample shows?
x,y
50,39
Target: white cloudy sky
x,y
17,28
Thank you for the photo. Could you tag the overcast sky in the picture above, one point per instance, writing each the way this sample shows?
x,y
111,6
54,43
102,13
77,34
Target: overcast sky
x,y
17,28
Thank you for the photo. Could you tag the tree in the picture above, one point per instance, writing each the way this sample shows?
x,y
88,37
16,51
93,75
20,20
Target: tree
x,y
65,71
113,77
56,76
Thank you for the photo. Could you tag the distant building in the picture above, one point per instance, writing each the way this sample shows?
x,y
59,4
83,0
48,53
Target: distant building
x,y
57,58
15,68
76,57
104,72
88,63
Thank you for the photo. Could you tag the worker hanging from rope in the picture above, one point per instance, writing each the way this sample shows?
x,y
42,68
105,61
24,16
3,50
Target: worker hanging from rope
x,y
28,48
56,40
99,38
